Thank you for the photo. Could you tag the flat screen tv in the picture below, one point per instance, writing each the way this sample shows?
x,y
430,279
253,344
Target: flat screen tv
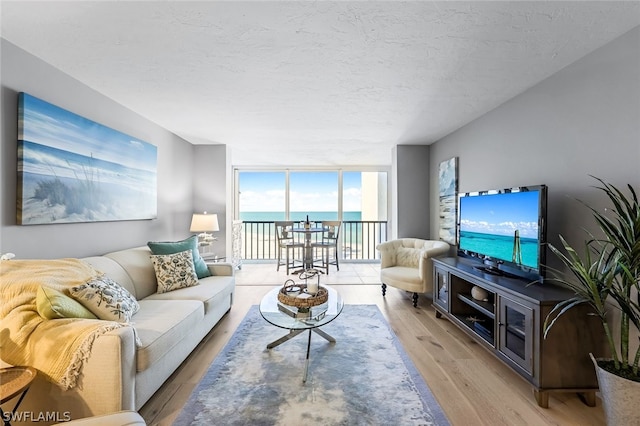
x,y
505,229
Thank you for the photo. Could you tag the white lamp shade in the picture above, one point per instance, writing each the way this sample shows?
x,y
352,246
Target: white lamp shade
x,y
204,223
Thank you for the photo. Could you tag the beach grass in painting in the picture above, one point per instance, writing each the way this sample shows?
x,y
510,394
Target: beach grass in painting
x,y
72,169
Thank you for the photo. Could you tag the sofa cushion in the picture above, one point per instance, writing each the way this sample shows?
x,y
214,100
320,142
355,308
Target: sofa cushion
x,y
171,247
122,418
206,292
139,268
402,277
106,299
174,271
113,270
53,304
160,325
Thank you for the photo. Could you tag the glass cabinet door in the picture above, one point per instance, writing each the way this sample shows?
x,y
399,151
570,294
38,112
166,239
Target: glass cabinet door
x,y
516,333
441,288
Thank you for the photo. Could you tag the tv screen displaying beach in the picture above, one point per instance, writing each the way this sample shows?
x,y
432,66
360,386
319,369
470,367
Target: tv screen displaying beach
x,y
488,225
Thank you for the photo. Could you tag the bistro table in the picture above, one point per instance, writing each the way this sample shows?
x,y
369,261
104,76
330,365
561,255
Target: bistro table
x,y
307,262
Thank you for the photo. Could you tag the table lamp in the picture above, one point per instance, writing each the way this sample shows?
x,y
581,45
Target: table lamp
x,y
204,224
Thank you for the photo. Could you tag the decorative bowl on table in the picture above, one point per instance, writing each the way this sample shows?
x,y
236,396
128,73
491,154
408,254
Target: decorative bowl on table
x,y
297,295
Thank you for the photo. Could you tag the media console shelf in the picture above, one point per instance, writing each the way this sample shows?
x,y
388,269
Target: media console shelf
x,y
509,320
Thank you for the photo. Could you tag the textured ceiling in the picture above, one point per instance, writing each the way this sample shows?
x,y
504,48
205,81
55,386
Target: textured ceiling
x,y
313,83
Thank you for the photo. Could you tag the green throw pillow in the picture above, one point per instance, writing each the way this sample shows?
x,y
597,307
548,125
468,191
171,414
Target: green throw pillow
x,y
190,243
53,304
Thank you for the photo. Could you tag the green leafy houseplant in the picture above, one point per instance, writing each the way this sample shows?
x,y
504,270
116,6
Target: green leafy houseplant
x,y
608,270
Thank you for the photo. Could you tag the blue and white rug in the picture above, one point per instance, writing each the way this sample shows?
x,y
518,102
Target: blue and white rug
x,y
365,378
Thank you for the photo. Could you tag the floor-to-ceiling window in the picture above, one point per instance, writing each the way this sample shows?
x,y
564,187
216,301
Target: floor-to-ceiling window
x,y
364,201
313,194
262,195
358,198
261,198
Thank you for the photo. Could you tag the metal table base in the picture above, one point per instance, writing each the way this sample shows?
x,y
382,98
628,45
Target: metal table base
x,y
294,333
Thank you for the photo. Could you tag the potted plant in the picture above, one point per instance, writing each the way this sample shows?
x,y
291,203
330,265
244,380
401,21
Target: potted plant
x,y
607,276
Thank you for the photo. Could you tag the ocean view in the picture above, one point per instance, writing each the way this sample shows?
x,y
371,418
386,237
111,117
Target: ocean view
x,y
358,240
500,246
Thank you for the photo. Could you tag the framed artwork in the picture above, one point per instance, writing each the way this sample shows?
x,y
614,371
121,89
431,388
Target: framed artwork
x,y
448,190
71,169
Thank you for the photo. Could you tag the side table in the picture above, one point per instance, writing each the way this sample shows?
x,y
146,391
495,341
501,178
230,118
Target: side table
x,y
14,381
214,259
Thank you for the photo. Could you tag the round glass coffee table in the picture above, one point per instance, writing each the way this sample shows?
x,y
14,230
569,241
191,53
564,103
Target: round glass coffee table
x,y
289,317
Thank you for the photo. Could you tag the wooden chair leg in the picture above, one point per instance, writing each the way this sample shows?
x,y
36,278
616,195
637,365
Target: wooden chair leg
x,y
325,258
415,300
287,257
279,259
384,289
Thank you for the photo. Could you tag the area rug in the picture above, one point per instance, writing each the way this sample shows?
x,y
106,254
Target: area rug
x,y
365,378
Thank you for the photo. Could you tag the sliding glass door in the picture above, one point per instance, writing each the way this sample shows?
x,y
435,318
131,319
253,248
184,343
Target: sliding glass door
x,y
313,194
357,198
261,196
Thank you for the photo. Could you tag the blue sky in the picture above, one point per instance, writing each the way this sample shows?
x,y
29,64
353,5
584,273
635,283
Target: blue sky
x,y
501,214
309,191
47,124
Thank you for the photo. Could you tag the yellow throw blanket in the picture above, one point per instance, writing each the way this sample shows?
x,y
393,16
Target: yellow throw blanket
x,y
57,348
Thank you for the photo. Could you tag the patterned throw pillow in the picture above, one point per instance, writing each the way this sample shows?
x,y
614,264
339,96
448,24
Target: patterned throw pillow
x,y
174,271
53,304
172,247
107,299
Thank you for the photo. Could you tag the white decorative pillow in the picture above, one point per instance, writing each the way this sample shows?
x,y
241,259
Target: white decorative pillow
x,y
106,299
174,271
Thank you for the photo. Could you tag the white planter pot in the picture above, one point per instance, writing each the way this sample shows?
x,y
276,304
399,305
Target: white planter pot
x,y
620,397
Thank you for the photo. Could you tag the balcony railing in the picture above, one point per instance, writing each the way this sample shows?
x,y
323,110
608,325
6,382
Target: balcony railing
x,y
358,240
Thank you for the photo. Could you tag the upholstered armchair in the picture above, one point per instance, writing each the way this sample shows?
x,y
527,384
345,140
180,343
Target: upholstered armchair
x,y
406,264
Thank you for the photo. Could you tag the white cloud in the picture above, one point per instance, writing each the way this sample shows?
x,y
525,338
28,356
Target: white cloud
x,y
526,229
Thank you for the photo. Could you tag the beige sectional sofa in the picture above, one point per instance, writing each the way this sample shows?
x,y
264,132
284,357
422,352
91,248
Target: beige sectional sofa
x,y
120,375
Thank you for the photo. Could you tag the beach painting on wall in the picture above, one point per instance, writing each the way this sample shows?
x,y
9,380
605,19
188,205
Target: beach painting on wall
x,y
448,189
72,169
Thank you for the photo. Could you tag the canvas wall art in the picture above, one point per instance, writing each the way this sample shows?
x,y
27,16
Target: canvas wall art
x,y
72,169
448,190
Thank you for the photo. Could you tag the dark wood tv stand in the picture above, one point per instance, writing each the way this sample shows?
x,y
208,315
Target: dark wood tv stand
x,y
509,324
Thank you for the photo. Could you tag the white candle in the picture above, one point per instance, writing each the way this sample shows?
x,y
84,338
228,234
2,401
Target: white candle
x,y
312,288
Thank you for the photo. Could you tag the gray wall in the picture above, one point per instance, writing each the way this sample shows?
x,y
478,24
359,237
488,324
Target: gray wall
x,y
412,188
583,120
22,72
209,189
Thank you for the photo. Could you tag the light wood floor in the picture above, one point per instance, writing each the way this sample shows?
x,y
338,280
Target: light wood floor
x,y
471,385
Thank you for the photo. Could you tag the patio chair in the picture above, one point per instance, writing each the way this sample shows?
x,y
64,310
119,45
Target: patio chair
x,y
287,242
329,242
